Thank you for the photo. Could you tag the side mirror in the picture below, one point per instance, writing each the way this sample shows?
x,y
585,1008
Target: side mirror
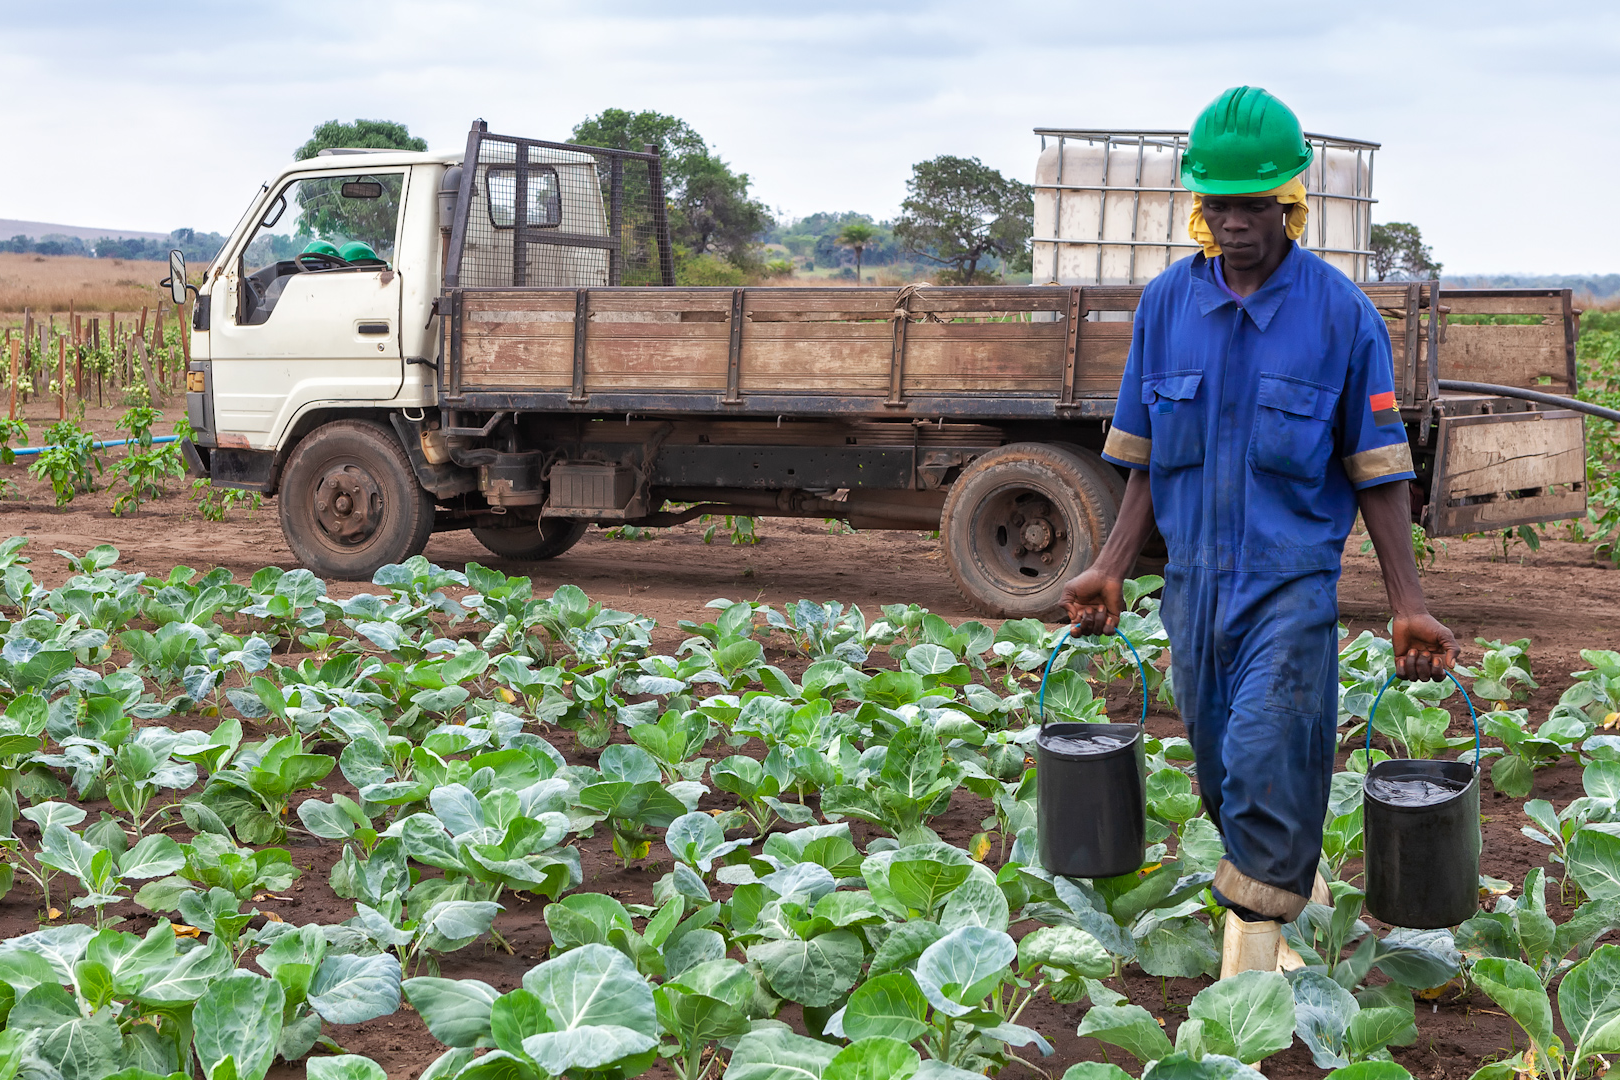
x,y
176,281
177,276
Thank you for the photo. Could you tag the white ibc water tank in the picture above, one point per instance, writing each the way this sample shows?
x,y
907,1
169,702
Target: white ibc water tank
x,y
1110,208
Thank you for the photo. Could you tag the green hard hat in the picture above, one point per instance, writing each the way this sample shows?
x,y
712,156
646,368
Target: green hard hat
x,y
321,247
1244,141
356,250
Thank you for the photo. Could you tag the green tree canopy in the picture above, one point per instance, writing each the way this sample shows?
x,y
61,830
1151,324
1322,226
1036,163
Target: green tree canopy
x,y
620,129
711,210
960,212
714,209
362,134
1398,252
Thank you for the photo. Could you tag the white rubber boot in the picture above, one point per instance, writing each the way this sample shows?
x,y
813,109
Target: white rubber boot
x,y
1255,946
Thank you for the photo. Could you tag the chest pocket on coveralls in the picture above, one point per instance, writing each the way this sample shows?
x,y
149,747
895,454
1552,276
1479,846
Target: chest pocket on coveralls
x,y
1293,427
1176,418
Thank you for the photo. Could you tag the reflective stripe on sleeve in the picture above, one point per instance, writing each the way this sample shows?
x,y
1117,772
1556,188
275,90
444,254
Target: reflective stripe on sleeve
x,y
1378,462
1123,446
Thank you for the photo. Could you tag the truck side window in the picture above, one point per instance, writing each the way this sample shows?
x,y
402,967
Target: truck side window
x,y
544,197
319,225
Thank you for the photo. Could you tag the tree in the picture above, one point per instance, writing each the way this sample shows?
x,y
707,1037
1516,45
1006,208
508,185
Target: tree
x,y
362,134
856,235
710,207
620,129
960,211
1398,252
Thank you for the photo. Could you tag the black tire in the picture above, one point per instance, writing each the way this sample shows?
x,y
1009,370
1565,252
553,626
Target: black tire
x,y
1019,523
335,469
526,543
1100,469
1154,556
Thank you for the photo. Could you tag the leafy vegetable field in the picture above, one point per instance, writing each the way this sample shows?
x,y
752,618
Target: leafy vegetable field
x,y
479,833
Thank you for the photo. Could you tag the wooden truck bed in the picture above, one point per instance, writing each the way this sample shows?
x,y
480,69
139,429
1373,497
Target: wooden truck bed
x,y
1003,355
992,353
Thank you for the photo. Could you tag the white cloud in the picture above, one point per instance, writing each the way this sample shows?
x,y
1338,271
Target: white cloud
x,y
1494,116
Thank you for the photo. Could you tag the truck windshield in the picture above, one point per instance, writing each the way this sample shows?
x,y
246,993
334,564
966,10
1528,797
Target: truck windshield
x,y
328,215
319,225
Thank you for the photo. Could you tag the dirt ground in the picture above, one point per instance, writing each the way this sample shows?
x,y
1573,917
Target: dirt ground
x,y
1558,597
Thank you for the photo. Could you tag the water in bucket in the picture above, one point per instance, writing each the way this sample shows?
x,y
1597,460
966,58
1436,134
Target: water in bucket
x,y
1413,790
1086,742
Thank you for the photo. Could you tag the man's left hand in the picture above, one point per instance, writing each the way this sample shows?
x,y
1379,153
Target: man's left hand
x,y
1424,648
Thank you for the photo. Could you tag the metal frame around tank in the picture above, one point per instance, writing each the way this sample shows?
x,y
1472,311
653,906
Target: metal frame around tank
x,y
1176,142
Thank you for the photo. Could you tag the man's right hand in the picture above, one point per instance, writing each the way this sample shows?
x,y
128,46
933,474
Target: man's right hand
x,y
1094,602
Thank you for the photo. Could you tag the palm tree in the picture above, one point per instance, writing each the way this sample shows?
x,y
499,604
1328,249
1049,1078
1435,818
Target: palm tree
x,y
856,235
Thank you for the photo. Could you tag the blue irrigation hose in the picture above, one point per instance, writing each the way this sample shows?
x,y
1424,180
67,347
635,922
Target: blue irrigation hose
x,y
1466,701
25,451
1141,670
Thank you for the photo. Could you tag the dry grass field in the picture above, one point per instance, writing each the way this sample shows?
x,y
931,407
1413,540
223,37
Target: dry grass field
x,y
46,283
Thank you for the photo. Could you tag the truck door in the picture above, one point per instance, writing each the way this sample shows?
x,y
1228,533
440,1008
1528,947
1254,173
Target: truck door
x,y
312,306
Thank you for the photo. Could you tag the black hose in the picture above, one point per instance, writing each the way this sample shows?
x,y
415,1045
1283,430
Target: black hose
x,y
1532,395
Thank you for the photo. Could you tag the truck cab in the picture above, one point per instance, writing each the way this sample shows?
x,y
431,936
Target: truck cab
x,y
292,328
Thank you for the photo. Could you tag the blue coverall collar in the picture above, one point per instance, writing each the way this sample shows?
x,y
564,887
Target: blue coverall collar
x,y
1262,304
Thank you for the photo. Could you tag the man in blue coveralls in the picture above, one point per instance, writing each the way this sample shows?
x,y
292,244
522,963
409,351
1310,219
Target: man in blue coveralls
x,y
1257,414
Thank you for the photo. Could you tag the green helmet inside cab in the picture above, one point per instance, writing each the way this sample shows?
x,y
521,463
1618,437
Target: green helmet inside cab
x,y
1244,141
356,251
321,247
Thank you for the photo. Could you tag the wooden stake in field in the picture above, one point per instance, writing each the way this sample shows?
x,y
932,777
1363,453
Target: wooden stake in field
x,y
61,378
14,380
152,395
157,337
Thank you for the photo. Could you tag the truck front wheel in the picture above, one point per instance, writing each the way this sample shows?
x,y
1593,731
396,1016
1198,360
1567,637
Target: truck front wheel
x,y
349,502
529,544
1019,522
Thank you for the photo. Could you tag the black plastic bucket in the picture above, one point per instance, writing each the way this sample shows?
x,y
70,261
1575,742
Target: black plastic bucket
x,y
1422,861
1421,837
1091,804
1091,790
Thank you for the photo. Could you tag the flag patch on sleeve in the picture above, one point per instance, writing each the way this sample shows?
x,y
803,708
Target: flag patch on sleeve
x,y
1383,409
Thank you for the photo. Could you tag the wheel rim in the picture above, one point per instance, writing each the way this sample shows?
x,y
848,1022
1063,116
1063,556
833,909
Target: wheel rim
x,y
348,506
1024,539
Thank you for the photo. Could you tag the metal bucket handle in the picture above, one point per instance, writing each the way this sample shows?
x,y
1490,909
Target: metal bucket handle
x,y
1141,671
1466,701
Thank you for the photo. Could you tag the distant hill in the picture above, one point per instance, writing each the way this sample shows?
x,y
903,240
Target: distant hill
x,y
1597,286
36,230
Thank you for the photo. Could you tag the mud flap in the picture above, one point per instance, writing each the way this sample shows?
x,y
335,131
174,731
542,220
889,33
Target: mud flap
x,y
196,467
443,481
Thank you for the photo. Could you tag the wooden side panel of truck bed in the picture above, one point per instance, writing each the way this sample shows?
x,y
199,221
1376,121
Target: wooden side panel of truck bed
x,y
994,353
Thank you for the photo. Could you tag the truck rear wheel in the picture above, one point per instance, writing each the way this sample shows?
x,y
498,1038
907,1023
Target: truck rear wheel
x,y
529,544
1020,522
349,501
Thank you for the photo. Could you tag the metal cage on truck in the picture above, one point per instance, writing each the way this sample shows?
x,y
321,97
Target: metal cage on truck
x,y
536,213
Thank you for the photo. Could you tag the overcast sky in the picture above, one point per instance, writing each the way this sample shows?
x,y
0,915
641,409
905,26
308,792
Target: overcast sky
x,y
1498,120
